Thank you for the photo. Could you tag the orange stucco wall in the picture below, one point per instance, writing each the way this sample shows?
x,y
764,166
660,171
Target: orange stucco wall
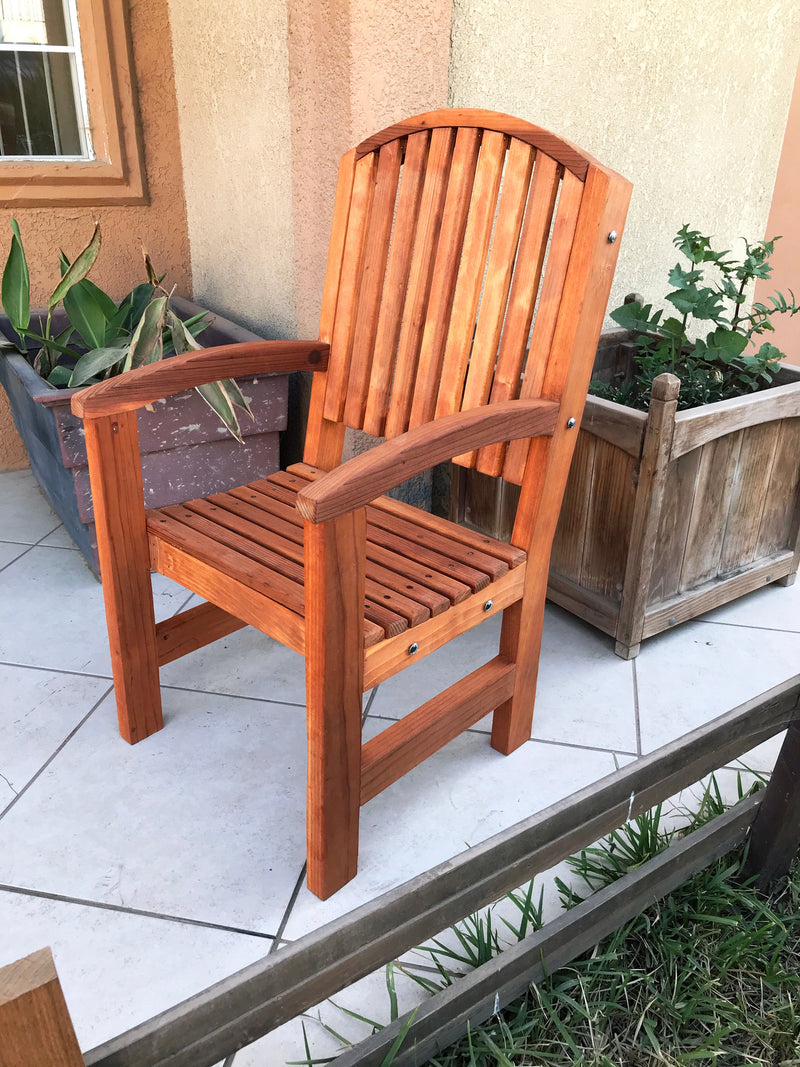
x,y
159,226
784,219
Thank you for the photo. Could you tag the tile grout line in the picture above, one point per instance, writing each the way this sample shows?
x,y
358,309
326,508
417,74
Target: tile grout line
x,y
50,759
16,559
57,670
292,901
636,717
748,626
142,913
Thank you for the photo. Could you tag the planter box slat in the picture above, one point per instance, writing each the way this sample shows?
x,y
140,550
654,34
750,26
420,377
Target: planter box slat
x,y
605,551
676,511
666,514
782,504
696,426
712,594
751,480
710,509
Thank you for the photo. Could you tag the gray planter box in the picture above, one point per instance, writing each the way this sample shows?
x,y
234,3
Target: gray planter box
x,y
186,452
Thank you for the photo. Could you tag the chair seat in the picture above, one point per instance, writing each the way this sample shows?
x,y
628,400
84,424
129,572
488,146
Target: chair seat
x,y
417,565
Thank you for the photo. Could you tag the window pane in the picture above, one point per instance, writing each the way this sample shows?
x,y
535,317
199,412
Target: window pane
x,y
41,119
33,22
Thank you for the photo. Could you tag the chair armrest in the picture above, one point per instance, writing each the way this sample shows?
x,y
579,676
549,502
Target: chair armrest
x,y
133,390
371,474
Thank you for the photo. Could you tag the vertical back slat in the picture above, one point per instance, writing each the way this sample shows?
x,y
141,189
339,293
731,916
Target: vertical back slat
x,y
349,284
396,283
522,298
471,271
376,250
448,256
510,213
540,359
419,283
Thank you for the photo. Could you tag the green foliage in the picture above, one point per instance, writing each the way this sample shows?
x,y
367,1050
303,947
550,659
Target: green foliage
x,y
724,361
109,338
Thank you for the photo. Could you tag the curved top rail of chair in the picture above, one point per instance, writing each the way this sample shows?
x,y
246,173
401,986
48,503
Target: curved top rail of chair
x,y
560,149
370,475
156,381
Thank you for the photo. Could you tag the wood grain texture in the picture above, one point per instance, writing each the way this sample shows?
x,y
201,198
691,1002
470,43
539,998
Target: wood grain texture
x,y
564,151
376,249
420,279
566,558
690,603
513,345
780,518
698,426
112,445
648,484
538,356
192,629
499,270
135,388
775,833
609,519
751,479
349,284
397,281
621,426
35,1027
710,506
334,684
458,349
232,595
673,527
409,741
445,272
391,656
372,473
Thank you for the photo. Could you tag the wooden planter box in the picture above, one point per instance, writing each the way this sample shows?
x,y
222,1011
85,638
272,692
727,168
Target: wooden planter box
x,y
186,451
666,514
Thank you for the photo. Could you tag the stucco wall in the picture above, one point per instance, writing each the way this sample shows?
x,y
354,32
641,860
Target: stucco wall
x,y
355,67
159,226
231,79
689,102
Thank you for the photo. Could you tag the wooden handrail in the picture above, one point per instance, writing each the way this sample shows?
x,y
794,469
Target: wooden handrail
x,y
156,381
373,473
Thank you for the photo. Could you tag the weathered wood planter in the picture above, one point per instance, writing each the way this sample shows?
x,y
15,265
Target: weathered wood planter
x,y
186,452
667,514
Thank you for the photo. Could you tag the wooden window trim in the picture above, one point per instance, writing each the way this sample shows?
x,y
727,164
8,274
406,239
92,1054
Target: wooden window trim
x,y
116,174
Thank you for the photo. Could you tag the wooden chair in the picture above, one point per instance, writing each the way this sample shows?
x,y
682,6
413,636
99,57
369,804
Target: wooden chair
x,y
449,230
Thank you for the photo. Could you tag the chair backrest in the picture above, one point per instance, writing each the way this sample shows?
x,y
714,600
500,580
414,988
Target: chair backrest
x,y
469,263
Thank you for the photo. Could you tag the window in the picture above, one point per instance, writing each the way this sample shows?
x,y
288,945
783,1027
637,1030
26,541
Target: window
x,y
68,122
42,95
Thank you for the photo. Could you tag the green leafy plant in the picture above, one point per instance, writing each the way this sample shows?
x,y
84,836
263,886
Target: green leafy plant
x,y
101,338
724,361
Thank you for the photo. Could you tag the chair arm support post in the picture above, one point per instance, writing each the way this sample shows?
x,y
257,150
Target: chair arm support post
x,y
373,473
156,381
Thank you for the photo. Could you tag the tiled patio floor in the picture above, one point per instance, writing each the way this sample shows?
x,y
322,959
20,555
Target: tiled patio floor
x,y
155,870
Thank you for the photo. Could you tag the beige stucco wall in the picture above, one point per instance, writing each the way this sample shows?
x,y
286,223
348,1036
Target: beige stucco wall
x,y
232,79
159,226
689,102
355,67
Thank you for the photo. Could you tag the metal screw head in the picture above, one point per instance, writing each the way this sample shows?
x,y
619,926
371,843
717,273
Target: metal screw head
x,y
612,237
570,424
413,648
488,605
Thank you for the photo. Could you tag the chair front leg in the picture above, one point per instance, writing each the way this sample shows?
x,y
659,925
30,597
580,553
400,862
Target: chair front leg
x,y
334,603
112,445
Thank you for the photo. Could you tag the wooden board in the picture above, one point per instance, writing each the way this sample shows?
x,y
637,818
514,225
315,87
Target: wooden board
x,y
608,521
